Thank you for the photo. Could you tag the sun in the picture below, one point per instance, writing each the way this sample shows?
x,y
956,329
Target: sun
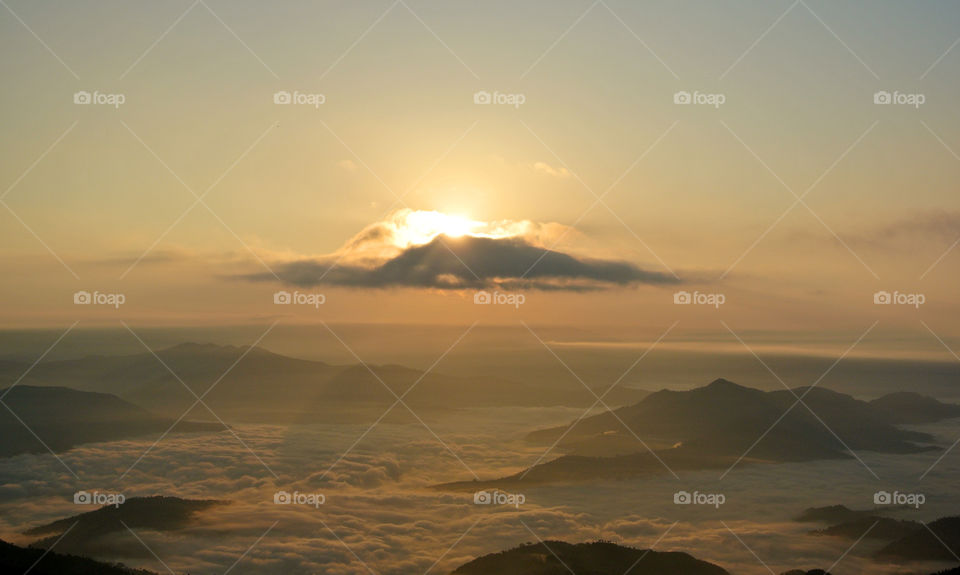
x,y
421,227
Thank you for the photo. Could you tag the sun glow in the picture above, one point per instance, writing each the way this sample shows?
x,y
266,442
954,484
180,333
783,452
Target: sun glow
x,y
420,227
406,228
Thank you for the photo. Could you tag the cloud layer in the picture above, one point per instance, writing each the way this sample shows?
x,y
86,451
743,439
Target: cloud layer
x,y
380,513
419,249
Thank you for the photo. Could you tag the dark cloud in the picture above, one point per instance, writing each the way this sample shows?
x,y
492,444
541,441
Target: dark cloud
x,y
471,262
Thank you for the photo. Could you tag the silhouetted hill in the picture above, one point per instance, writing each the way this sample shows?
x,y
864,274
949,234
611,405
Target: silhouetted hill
x,y
268,387
885,528
726,418
910,407
63,418
922,545
598,558
90,534
832,514
713,426
18,560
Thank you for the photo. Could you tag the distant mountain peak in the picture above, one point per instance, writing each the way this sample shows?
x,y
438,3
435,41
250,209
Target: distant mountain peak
x,y
725,385
721,382
190,348
193,346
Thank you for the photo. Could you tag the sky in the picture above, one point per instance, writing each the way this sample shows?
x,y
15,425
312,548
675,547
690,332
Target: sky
x,y
585,152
